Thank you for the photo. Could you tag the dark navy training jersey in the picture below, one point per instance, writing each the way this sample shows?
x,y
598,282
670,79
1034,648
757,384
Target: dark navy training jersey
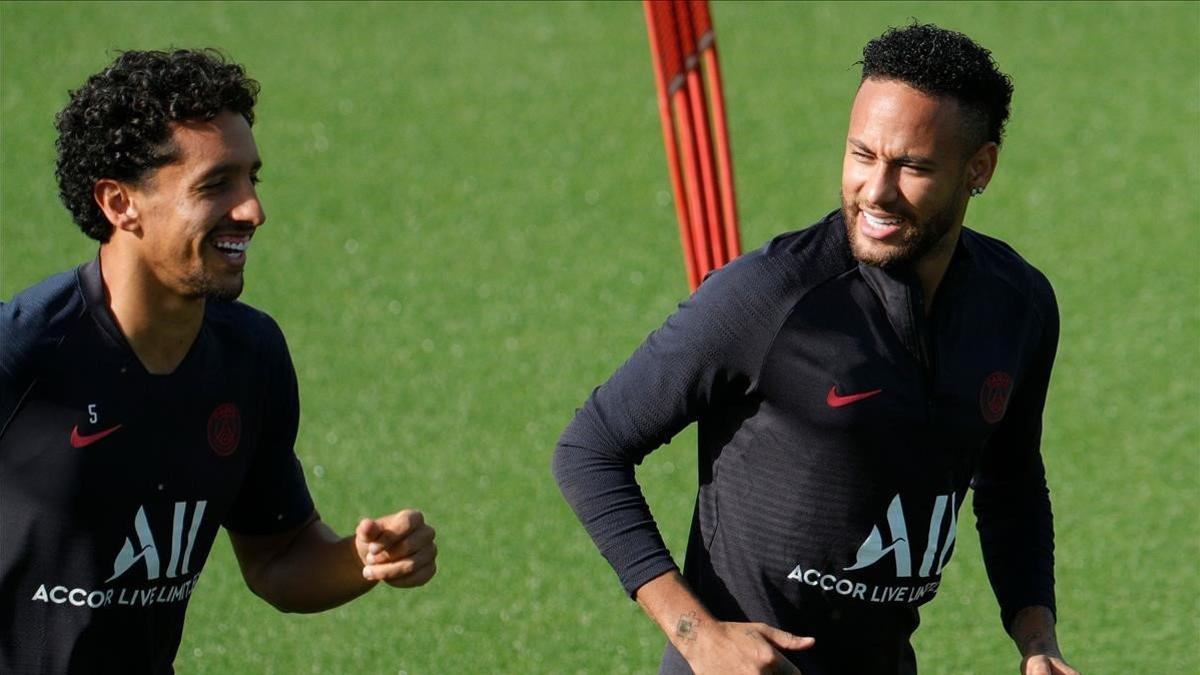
x,y
839,430
113,481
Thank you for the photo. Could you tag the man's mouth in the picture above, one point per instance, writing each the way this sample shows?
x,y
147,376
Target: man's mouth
x,y
879,227
232,246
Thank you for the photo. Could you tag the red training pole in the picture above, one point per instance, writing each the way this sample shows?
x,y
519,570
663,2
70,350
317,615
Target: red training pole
x,y
667,66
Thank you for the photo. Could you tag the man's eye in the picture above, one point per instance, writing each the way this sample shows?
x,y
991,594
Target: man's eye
x,y
254,179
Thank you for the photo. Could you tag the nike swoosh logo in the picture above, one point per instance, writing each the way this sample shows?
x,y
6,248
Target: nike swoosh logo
x,y
836,401
79,440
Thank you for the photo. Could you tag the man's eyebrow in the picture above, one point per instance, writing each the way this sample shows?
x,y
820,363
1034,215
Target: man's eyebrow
x,y
860,145
901,159
228,167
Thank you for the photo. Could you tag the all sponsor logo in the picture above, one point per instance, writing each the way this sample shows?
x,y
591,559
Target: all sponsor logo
x,y
893,547
141,551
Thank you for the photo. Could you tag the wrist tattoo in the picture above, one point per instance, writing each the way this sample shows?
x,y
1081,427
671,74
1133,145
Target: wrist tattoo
x,y
686,627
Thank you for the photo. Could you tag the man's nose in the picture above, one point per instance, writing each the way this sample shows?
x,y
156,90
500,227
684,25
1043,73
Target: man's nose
x,y
249,210
880,187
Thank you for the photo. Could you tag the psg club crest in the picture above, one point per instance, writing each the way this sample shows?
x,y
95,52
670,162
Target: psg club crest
x,y
224,429
993,397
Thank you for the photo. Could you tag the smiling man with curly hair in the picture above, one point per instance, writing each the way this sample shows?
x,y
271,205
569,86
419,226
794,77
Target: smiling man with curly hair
x,y
143,408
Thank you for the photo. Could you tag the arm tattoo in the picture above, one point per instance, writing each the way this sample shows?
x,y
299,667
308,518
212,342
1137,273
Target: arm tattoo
x,y
685,629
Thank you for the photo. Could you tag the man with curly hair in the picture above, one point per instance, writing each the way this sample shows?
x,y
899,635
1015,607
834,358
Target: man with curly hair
x,y
850,382
142,407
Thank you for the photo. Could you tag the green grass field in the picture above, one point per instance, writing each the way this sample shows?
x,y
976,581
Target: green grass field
x,y
469,228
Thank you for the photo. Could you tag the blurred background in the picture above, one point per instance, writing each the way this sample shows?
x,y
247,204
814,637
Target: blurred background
x,y
470,227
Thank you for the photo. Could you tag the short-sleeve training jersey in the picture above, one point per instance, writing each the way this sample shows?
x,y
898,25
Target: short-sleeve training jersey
x,y
114,481
839,430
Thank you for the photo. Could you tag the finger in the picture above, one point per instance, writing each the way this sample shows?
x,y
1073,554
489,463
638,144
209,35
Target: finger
x,y
1036,665
419,577
395,527
406,547
783,639
1060,667
367,530
400,568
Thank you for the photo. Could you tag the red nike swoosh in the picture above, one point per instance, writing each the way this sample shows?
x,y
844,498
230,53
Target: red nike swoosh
x,y
836,401
79,440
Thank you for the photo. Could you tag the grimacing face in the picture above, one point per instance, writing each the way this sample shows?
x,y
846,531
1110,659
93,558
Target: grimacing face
x,y
905,174
198,213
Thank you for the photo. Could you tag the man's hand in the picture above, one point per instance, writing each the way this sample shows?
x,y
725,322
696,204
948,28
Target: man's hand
x,y
1046,665
720,647
712,646
398,549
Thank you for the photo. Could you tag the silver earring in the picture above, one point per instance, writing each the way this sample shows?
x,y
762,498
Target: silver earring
x,y
976,191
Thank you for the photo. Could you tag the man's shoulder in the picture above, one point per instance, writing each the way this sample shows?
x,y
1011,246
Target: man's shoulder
x,y
39,316
795,261
240,326
999,260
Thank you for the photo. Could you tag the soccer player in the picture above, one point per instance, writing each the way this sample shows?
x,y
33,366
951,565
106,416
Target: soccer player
x,y
142,406
850,381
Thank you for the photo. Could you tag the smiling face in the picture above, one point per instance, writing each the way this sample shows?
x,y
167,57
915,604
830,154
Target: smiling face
x,y
906,174
195,216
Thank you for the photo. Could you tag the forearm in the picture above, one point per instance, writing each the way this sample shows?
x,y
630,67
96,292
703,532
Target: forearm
x,y
671,604
316,570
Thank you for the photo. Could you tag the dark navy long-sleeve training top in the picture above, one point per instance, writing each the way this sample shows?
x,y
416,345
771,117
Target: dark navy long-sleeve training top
x,y
114,481
839,430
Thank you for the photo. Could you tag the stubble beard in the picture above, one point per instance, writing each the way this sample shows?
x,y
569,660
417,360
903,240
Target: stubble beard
x,y
203,284
917,240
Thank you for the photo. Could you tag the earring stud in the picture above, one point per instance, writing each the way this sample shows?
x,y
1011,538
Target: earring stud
x,y
976,191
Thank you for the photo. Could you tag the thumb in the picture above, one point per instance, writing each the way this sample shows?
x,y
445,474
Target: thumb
x,y
1036,665
783,639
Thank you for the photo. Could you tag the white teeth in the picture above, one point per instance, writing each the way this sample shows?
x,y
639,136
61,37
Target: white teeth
x,y
879,222
239,246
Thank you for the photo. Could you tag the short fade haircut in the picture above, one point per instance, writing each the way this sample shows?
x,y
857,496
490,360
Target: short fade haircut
x,y
117,125
940,62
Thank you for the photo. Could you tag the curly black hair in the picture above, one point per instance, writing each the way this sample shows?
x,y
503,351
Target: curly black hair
x,y
941,62
117,125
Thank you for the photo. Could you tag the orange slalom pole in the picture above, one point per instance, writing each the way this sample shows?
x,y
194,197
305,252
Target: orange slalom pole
x,y
733,244
670,144
697,110
691,182
706,42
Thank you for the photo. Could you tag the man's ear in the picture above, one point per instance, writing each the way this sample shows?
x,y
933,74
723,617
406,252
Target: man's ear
x,y
115,200
982,165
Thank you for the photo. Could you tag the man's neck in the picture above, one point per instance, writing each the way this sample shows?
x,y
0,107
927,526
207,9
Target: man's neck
x,y
931,268
159,324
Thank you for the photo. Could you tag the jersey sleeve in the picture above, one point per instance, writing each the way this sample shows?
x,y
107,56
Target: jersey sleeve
x,y
32,326
710,349
274,496
1012,502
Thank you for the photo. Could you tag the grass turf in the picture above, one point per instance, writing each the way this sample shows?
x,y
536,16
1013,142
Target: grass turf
x,y
469,228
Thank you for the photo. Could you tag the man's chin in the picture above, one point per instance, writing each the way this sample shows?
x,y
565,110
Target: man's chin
x,y
876,253
226,294
205,286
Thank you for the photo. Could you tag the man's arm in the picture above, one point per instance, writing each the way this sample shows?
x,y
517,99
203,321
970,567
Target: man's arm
x,y
712,646
706,354
1012,508
311,569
